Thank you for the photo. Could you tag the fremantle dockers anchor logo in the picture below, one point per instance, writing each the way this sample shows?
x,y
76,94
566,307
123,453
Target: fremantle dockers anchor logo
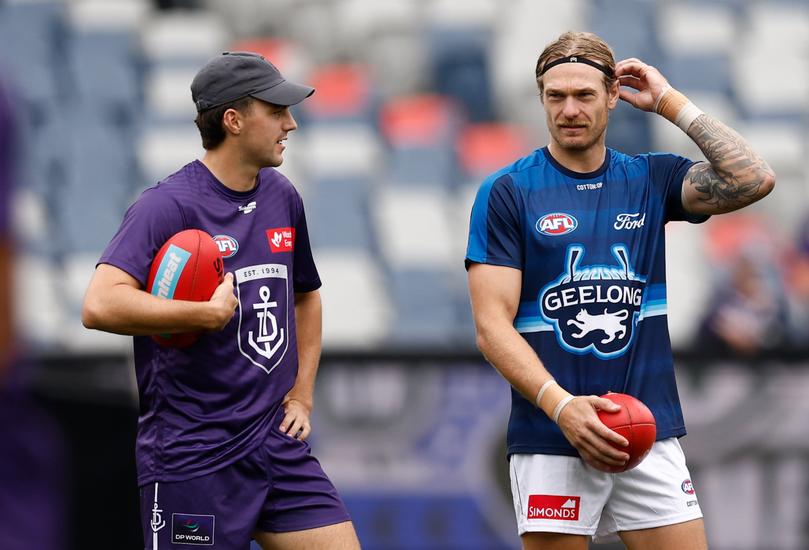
x,y
268,341
157,522
594,309
263,314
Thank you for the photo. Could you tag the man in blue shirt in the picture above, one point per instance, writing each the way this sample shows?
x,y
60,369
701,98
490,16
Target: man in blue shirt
x,y
566,263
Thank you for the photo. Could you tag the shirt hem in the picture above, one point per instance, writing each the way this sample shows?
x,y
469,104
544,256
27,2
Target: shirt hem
x,y
123,266
172,477
163,476
490,261
568,450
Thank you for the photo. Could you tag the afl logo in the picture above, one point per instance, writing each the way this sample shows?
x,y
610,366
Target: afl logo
x,y
688,487
556,224
228,246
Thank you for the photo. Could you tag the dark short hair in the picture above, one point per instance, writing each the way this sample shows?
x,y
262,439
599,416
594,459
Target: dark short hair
x,y
209,121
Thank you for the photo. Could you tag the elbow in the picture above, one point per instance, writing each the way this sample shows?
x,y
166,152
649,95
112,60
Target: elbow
x,y
91,314
482,339
767,183
480,342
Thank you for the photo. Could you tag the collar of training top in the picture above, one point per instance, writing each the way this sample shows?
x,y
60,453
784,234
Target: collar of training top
x,y
577,59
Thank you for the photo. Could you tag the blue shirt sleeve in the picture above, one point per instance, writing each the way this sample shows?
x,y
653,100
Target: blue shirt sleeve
x,y
667,173
495,227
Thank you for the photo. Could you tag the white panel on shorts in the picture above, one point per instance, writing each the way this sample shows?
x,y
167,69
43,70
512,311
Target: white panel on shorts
x,y
561,494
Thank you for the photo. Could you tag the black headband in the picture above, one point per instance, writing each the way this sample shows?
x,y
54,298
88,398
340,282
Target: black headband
x,y
577,59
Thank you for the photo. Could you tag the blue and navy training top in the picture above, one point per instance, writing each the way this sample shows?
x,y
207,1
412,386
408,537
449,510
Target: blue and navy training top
x,y
591,248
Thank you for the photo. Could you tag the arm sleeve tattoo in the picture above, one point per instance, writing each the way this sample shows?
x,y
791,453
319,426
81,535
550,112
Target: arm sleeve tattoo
x,y
735,176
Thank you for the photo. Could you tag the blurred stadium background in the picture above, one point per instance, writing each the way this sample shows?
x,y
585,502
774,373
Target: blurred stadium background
x,y
417,101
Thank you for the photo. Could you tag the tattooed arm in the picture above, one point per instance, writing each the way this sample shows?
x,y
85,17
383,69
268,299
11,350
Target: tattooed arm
x,y
734,175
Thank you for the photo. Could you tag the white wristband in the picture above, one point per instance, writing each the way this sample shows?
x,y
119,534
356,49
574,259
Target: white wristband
x,y
687,115
561,405
542,389
666,89
676,107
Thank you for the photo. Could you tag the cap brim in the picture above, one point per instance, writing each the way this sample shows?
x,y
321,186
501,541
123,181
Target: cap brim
x,y
285,93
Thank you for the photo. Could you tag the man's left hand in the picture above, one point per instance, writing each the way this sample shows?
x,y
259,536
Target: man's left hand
x,y
647,80
296,419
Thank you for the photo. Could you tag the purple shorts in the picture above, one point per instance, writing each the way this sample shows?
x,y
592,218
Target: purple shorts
x,y
279,487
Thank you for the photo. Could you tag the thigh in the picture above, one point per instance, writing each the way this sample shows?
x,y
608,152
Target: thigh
x,y
339,536
557,494
689,535
301,497
554,541
657,493
217,511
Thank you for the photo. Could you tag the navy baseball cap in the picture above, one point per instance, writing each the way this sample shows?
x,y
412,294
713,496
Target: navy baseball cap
x,y
234,75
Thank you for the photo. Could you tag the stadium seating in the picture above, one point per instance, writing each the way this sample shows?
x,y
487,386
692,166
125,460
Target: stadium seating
x,y
417,102
420,132
356,309
33,36
337,210
105,67
415,105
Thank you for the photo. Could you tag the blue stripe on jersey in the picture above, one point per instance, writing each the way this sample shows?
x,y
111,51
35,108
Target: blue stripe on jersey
x,y
479,240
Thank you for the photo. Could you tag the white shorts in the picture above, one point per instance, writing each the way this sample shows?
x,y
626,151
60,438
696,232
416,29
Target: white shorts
x,y
562,494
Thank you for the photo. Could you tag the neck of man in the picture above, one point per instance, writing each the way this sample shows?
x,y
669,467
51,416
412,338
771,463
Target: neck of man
x,y
230,169
579,160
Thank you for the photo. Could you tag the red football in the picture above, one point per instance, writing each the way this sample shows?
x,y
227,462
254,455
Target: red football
x,y
635,422
187,267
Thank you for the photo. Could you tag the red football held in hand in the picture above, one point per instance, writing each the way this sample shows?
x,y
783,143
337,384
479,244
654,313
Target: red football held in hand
x,y
187,267
635,422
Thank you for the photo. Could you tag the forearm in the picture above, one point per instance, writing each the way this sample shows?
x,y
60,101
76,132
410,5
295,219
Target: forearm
x,y
518,363
126,310
309,328
737,175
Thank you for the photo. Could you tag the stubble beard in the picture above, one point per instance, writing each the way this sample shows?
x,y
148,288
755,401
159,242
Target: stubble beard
x,y
579,143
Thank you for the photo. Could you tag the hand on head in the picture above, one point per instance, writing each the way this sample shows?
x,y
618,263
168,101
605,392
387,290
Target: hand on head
x,y
645,81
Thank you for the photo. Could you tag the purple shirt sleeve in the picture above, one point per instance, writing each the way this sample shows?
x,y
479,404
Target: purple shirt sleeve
x,y
306,278
147,225
7,155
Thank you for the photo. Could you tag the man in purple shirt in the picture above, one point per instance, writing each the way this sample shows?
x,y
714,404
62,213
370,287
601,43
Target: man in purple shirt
x,y
7,145
32,483
221,448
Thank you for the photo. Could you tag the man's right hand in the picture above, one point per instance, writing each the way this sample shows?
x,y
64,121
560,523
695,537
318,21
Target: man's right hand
x,y
224,303
585,431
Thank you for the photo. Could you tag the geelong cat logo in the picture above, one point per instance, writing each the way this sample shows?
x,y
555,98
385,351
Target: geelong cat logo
x,y
611,323
594,309
556,224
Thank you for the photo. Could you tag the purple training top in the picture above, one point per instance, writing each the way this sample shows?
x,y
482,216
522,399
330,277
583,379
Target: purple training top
x,y
208,405
7,155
